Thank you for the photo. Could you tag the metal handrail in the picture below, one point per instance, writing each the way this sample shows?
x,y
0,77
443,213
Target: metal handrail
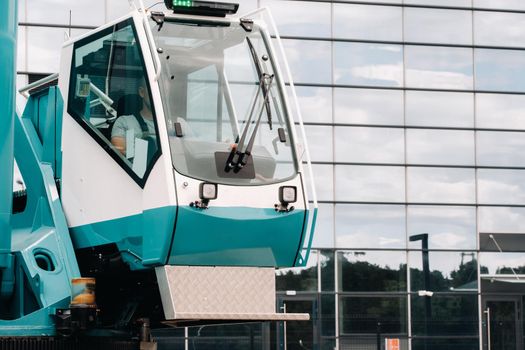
x,y
25,90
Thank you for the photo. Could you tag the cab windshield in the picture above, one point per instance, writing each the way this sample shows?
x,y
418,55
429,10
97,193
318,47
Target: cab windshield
x,y
223,104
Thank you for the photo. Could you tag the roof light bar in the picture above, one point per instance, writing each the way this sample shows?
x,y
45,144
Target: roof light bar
x,y
202,8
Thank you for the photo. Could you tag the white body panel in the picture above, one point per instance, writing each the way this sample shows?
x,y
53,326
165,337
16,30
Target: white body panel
x,y
94,187
263,196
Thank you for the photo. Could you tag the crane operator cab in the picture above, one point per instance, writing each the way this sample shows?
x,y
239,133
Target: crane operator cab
x,y
179,148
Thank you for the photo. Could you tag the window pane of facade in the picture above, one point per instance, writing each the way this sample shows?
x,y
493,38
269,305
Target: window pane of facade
x,y
500,70
371,64
310,61
323,180
447,227
298,278
501,186
470,342
439,109
496,263
500,148
449,315
327,265
497,111
357,266
499,28
441,185
315,103
368,106
367,22
320,142
369,145
451,3
328,317
310,19
501,219
370,226
448,271
370,183
324,228
438,67
360,315
440,147
499,4
438,26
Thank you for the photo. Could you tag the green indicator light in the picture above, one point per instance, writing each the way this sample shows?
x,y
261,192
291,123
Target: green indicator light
x,y
183,3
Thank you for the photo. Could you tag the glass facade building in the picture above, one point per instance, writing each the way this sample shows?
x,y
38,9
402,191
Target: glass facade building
x,y
415,117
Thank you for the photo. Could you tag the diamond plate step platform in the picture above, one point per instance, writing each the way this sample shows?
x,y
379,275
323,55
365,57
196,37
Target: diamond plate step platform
x,y
220,294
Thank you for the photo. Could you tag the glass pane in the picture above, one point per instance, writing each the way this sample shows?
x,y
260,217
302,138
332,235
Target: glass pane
x,y
448,271
370,183
447,315
499,111
501,219
126,128
495,263
83,12
500,70
197,98
432,108
324,228
357,267
320,142
500,148
440,147
328,316
369,145
323,180
500,4
499,28
298,278
43,49
361,315
370,226
309,19
438,67
451,3
447,227
367,22
327,262
440,185
501,186
470,343
310,61
368,106
315,103
438,26
371,64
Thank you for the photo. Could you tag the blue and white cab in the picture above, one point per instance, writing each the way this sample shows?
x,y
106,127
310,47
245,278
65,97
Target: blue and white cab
x,y
181,142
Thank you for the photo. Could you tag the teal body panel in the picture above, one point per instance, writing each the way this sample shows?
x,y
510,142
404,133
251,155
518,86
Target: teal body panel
x,y
237,236
31,293
8,27
231,236
144,239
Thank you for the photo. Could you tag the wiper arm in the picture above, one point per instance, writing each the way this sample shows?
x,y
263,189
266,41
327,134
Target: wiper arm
x,y
260,74
238,158
233,158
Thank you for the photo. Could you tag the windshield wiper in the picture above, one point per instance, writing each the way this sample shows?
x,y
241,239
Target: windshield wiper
x,y
264,88
238,159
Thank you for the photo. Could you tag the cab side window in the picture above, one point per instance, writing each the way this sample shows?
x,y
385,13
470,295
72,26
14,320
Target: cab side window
x,y
109,96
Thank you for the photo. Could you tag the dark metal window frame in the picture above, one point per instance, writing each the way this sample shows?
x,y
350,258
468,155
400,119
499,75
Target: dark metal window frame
x,y
141,181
